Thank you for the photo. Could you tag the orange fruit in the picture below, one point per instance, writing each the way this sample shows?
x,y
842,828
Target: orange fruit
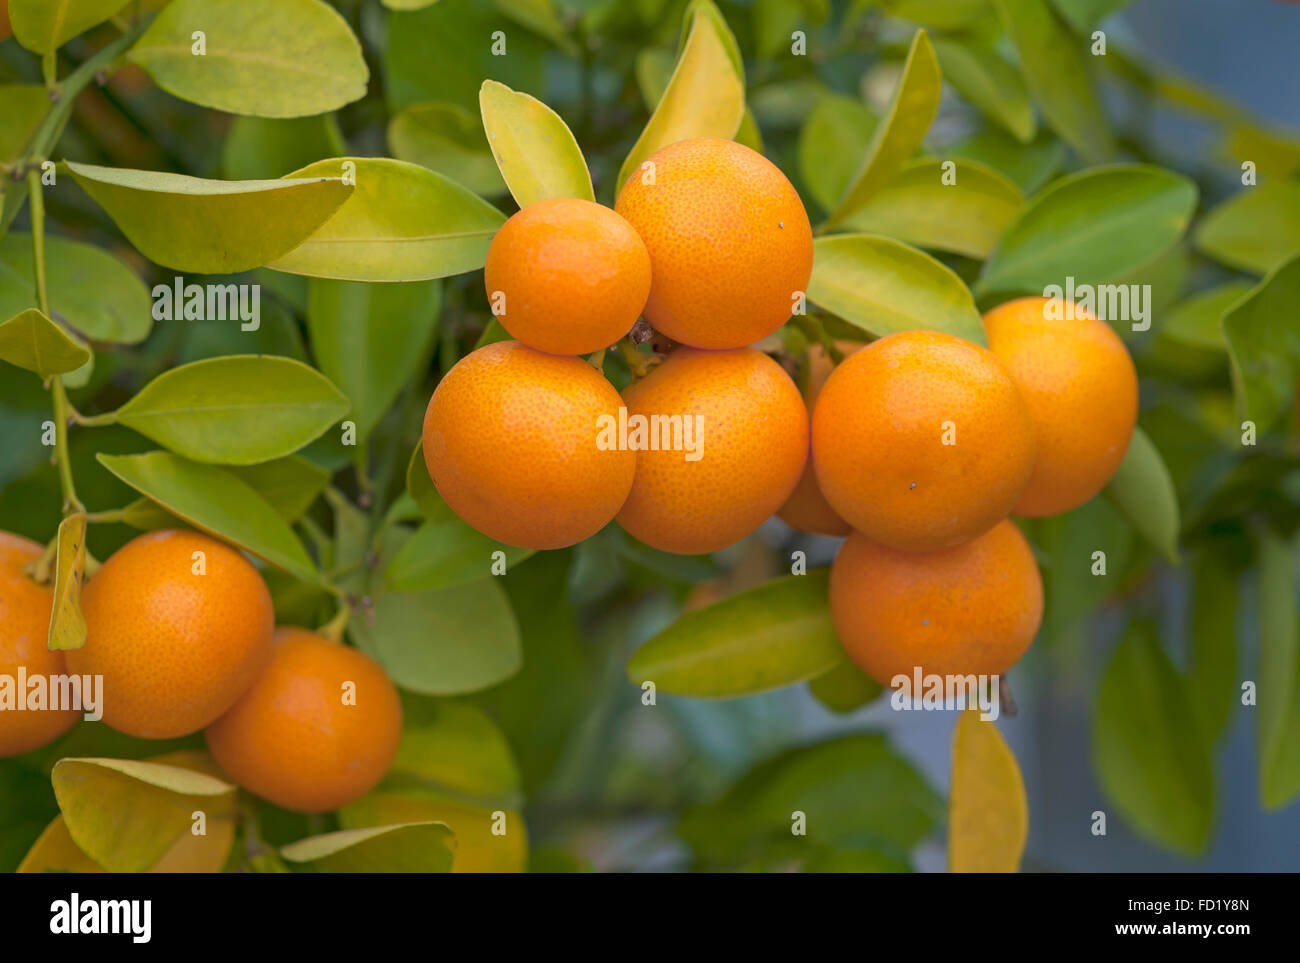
x,y
921,440
807,510
729,240
1082,391
512,439
24,626
179,625
6,29
727,463
318,729
567,276
974,608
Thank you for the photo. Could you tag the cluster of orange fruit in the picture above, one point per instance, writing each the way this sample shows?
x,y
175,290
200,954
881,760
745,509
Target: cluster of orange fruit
x,y
918,446
181,629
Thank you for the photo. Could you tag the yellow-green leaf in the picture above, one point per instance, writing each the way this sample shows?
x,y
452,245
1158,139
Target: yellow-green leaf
x,y
1264,345
533,147
32,341
22,107
448,139
488,840
67,624
988,815
208,226
1278,731
43,26
845,687
1143,491
1255,230
990,83
290,58
423,847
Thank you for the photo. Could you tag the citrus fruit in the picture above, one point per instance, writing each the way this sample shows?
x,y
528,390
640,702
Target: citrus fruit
x,y
1082,391
24,627
970,609
513,442
318,729
921,440
729,240
179,625
727,440
807,510
567,276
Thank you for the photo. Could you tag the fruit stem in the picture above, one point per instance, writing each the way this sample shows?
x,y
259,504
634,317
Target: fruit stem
x,y
110,516
43,568
335,627
93,421
638,362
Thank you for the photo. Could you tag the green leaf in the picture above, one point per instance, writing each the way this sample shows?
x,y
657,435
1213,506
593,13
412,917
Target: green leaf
x,y
447,641
1029,166
446,553
289,485
845,687
767,637
211,227
1213,674
849,788
940,14
1279,673
988,82
290,58
1093,226
1056,68
215,501
1264,345
32,341
653,68
448,139
402,848
1255,230
403,223
912,109
43,26
966,216
67,624
1143,491
422,491
455,749
260,147
705,96
237,410
1147,748
1083,15
883,286
831,144
1196,320
541,17
22,108
533,147
90,290
372,339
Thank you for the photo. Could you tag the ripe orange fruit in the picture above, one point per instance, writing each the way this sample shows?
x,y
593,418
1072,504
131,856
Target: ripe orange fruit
x,y
921,440
24,627
729,240
567,276
1082,391
318,729
179,625
512,441
971,609
732,438
807,510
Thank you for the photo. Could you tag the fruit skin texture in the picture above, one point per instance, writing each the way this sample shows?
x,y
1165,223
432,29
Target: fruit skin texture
x,y
574,275
291,739
24,626
807,510
510,440
754,429
879,432
176,649
971,609
1082,391
729,242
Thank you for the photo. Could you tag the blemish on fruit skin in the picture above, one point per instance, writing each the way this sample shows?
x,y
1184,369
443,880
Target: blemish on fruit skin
x,y
781,224
911,486
925,621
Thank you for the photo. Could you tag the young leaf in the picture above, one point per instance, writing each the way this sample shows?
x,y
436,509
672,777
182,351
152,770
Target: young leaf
x,y
1255,230
448,139
899,135
1279,673
403,223
1196,320
236,410
287,58
922,207
831,144
215,501
67,624
32,341
1264,345
424,847
988,814
705,96
211,227
43,26
883,286
446,553
1055,64
988,82
1094,226
533,147
771,636
1143,491
1148,750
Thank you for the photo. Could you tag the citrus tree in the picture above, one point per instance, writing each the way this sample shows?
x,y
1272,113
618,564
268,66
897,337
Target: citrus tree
x,y
317,501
